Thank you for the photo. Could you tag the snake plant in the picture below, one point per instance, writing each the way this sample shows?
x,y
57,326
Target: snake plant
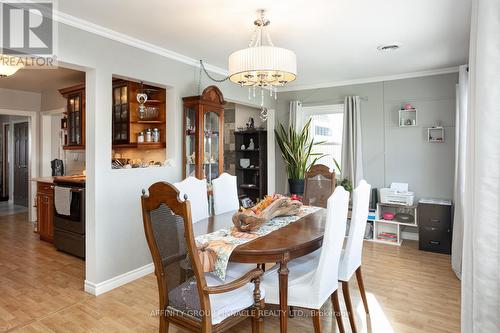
x,y
296,149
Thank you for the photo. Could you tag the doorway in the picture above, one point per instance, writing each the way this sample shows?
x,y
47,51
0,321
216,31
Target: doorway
x,y
21,162
5,163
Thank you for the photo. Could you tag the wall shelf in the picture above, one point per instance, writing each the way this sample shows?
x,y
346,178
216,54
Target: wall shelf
x,y
435,134
407,118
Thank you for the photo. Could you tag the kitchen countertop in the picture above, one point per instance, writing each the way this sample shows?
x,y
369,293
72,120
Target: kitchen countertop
x,y
43,179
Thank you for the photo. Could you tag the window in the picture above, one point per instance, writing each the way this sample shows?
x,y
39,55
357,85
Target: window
x,y
327,123
323,131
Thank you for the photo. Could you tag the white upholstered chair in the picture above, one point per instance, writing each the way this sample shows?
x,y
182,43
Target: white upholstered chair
x,y
225,194
350,261
312,282
196,191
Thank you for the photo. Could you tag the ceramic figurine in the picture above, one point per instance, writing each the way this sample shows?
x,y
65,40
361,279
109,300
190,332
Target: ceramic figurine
x,y
242,147
251,145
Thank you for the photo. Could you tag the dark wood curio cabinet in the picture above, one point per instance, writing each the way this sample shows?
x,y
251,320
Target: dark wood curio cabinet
x,y
203,127
75,116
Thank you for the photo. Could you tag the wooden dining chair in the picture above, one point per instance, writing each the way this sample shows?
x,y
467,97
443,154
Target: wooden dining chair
x,y
319,184
196,190
198,302
350,261
311,283
225,194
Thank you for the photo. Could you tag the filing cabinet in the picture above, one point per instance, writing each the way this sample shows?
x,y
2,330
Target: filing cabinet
x,y
435,225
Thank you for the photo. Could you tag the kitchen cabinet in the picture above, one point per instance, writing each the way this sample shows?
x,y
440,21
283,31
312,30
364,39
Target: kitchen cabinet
x,y
203,128
45,211
129,119
75,117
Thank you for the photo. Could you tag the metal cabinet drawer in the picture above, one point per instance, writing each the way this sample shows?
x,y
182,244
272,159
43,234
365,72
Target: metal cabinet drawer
x,y
434,215
434,239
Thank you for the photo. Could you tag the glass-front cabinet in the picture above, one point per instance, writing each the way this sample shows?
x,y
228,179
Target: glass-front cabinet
x,y
120,113
203,135
74,117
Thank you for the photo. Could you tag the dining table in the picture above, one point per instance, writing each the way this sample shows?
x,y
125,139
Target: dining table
x,y
296,239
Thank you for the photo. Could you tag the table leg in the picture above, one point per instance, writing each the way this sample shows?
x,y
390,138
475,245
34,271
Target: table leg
x,y
283,283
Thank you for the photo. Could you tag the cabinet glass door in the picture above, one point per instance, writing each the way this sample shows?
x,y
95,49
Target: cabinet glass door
x,y
120,115
211,146
190,133
74,119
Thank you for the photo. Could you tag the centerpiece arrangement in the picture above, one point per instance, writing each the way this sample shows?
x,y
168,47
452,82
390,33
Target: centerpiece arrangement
x,y
271,206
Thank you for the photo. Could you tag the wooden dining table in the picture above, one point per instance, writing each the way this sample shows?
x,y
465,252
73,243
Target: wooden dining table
x,y
280,246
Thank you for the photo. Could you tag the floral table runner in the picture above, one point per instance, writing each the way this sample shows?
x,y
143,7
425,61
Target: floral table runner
x,y
214,249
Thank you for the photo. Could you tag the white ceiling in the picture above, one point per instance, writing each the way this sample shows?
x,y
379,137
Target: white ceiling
x,y
335,40
40,80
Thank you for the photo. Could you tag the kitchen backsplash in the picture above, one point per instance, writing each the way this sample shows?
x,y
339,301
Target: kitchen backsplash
x,y
74,162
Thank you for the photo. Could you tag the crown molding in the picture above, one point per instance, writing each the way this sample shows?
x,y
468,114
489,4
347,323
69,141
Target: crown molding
x,y
370,79
99,30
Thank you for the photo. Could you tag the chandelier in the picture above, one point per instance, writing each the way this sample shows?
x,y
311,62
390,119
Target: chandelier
x,y
9,65
262,64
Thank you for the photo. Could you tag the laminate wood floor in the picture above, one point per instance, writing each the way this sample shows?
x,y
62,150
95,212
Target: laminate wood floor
x,y
41,290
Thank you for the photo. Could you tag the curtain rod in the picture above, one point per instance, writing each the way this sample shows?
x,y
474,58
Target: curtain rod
x,y
330,101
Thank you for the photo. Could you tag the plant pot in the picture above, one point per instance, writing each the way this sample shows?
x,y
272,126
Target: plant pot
x,y
296,186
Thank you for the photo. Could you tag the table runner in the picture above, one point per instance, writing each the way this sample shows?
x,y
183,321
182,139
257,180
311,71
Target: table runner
x,y
214,249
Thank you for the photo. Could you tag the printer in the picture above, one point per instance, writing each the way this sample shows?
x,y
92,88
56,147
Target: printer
x,y
397,194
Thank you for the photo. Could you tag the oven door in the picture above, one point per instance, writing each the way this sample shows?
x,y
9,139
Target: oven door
x,y
75,222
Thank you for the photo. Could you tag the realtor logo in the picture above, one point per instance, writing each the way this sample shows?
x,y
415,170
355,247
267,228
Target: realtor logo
x,y
27,28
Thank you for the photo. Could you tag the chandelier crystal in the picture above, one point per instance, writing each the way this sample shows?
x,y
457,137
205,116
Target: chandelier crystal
x,y
262,64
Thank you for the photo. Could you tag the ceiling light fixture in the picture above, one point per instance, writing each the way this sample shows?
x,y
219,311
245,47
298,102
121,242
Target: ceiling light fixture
x,y
388,47
9,65
262,64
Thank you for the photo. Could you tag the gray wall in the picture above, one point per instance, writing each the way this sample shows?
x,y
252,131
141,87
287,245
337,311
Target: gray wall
x,y
391,153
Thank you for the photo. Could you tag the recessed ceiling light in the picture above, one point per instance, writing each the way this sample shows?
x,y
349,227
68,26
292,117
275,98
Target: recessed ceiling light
x,y
388,47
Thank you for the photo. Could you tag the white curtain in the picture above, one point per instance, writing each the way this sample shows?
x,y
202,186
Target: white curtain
x,y
460,162
296,115
481,254
352,155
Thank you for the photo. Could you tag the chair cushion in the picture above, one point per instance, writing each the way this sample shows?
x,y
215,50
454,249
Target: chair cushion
x,y
185,298
236,270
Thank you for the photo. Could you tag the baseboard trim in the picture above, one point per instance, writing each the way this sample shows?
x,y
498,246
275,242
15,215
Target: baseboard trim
x,y
100,288
409,235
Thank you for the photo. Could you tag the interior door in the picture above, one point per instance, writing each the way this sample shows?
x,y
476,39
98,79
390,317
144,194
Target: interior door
x,y
21,160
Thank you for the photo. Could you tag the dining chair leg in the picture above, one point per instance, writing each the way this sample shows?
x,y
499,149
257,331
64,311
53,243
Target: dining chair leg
x,y
361,285
337,312
316,321
350,311
257,308
163,323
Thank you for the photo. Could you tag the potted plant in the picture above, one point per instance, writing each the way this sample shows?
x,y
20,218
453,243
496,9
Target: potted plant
x,y
296,150
344,182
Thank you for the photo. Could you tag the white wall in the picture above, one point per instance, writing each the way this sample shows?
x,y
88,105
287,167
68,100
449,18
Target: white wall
x,y
391,153
115,236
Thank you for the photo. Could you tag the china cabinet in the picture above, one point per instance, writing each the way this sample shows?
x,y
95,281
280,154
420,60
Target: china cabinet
x,y
75,117
203,152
